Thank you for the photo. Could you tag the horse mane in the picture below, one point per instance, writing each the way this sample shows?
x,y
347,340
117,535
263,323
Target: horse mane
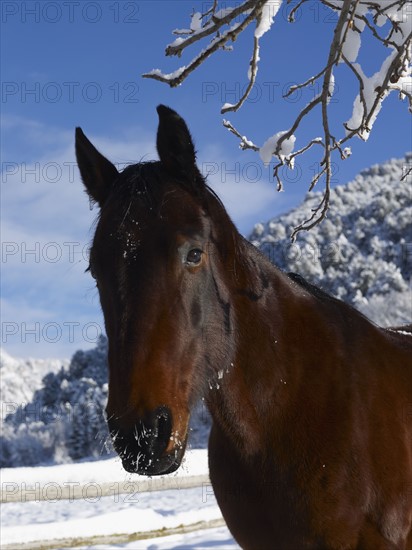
x,y
324,296
311,288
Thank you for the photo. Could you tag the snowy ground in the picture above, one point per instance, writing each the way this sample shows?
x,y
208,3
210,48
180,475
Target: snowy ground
x,y
220,539
97,513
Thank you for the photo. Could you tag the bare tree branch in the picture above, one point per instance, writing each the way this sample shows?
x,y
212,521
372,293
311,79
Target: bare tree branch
x,y
252,79
406,174
213,25
355,19
244,142
252,9
334,54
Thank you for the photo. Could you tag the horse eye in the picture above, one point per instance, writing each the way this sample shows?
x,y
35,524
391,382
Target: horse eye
x,y
194,256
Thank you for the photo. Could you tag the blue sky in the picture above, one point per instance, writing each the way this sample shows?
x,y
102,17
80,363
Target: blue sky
x,y
67,64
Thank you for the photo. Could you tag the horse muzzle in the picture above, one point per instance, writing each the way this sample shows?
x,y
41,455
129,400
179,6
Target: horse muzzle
x,y
145,448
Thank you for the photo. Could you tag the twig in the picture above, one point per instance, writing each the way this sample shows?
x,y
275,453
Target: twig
x,y
291,17
407,173
244,142
334,54
252,79
215,45
209,29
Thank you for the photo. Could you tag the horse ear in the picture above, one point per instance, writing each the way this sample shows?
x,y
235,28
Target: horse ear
x,y
174,143
98,173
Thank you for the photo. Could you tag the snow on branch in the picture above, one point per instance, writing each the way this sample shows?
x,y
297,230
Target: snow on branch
x,y
252,10
388,22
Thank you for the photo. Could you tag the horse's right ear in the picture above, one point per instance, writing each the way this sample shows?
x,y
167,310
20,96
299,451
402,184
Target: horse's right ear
x,y
174,143
98,173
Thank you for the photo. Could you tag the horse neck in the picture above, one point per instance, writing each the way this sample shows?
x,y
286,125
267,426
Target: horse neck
x,y
260,383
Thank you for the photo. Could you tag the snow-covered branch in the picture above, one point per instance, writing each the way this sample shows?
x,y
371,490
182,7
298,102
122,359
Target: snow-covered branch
x,y
387,22
252,10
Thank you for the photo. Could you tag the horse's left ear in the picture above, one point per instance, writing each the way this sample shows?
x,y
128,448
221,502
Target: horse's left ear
x,y
174,143
98,173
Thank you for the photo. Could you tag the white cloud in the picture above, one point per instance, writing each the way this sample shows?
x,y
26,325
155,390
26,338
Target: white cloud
x,y
47,195
31,331
46,229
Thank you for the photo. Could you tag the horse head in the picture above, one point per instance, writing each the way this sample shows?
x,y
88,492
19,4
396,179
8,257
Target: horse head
x,y
158,263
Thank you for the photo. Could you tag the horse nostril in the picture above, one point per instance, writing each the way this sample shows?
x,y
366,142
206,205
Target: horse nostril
x,y
163,426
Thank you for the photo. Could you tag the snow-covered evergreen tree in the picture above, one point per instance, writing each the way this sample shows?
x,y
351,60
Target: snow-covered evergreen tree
x,y
65,418
362,252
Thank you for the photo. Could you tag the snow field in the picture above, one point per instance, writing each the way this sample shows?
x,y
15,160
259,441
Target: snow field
x,y
40,517
218,538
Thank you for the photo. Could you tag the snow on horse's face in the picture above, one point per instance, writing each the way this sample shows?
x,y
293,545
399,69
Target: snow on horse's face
x,y
156,265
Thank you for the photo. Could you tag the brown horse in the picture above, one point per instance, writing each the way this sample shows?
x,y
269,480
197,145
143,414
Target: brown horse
x,y
311,444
